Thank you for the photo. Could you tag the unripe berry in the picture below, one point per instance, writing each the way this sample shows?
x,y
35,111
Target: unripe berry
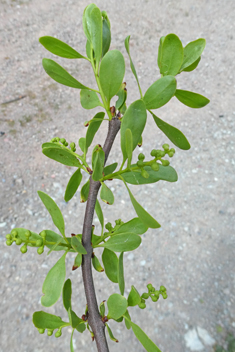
x,y
172,150
154,298
164,295
171,154
58,333
152,289
155,166
62,140
18,241
142,305
27,234
145,295
40,250
141,156
144,173
140,163
165,162
149,286
161,153
57,139
39,242
142,300
162,288
41,331
43,234
72,145
156,293
66,144
14,233
109,226
154,152
165,147
23,249
53,140
9,242
8,236
49,332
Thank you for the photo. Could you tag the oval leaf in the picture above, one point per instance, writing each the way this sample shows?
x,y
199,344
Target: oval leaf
x,y
160,92
95,26
106,37
117,306
62,155
193,66
112,70
135,226
193,100
131,62
73,185
53,284
96,264
134,297
60,75
135,120
82,144
98,158
106,194
174,135
172,54
110,168
121,281
192,52
53,210
122,242
159,57
89,99
43,320
59,48
111,334
99,213
110,261
129,146
85,192
86,20
93,127
77,246
67,294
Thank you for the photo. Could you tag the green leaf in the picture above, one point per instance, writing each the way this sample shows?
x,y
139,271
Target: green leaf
x,y
111,334
60,75
110,169
135,120
53,284
67,294
59,48
159,58
96,264
174,135
193,100
82,144
172,54
102,309
53,248
62,155
110,261
135,226
85,192
122,242
86,20
33,237
165,173
144,216
106,194
77,246
192,52
74,319
160,92
129,146
112,70
148,344
43,320
122,95
52,145
93,128
96,32
89,99
73,185
117,306
99,213
98,158
77,261
134,297
53,210
128,325
193,66
52,236
121,280
106,38
131,62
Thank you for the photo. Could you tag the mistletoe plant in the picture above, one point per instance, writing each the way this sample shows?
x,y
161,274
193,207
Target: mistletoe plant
x,y
109,70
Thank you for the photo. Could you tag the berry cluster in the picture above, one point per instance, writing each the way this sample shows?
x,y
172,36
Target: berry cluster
x,y
64,143
50,332
153,294
26,240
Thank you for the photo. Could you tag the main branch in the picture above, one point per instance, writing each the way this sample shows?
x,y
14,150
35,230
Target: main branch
x,y
94,318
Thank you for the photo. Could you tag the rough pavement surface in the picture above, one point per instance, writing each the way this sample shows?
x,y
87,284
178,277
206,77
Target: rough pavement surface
x,y
193,252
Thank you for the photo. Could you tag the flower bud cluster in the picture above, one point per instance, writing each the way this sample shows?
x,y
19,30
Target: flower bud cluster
x,y
50,332
64,143
153,294
14,237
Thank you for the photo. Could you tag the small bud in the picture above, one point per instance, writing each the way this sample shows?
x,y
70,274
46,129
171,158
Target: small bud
x,y
66,144
14,233
155,166
8,236
49,332
141,156
145,295
105,319
152,289
40,250
86,123
149,286
9,242
53,140
57,139
39,243
109,226
27,234
154,298
74,267
172,150
23,249
165,162
165,147
58,333
142,305
43,234
18,241
140,163
41,331
62,140
171,154
89,170
164,296
144,173
113,110
162,288
84,317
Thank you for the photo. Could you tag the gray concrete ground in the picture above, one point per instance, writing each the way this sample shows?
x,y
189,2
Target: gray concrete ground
x,y
193,252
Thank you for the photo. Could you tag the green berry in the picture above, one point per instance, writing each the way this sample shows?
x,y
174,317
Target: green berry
x,y
18,241
149,286
152,289
66,144
43,234
57,139
162,289
144,173
27,234
141,156
23,249
109,226
155,166
164,295
9,242
14,233
49,332
161,153
40,250
165,162
142,300
62,140
140,163
165,147
41,331
142,305
8,236
154,298
72,145
145,295
53,140
172,150
58,333
39,243
154,152
171,154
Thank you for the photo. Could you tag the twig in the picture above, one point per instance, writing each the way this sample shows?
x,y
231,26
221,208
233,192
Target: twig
x,y
13,100
94,318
